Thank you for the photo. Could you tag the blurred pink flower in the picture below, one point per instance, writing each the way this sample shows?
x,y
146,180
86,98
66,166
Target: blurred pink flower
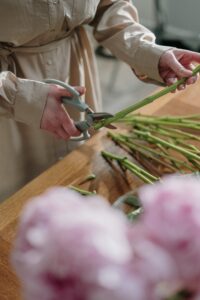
x,y
172,221
69,247
153,264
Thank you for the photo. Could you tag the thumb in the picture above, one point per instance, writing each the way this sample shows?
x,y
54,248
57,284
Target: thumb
x,y
80,89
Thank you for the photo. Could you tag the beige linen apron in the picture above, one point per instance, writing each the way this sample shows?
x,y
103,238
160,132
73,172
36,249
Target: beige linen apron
x,y
27,151
46,39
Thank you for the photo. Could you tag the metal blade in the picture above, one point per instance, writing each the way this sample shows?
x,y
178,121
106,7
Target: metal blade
x,y
101,115
110,126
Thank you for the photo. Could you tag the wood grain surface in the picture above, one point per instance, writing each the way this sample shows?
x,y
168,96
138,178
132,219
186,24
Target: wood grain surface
x,y
72,170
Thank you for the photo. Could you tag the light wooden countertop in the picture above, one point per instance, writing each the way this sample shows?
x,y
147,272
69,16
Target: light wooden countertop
x,y
75,167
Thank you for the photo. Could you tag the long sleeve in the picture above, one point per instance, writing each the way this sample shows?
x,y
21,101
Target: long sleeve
x,y
22,100
117,27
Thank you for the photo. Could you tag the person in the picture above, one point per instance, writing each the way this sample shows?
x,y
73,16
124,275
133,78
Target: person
x,y
47,39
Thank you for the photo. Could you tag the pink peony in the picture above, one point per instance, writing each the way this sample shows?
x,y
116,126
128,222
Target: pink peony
x,y
70,247
74,248
172,221
153,264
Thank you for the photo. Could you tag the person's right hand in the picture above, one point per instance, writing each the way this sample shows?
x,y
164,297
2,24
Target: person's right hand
x,y
55,118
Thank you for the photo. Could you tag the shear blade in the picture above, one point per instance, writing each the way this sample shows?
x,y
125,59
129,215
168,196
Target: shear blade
x,y
110,126
101,115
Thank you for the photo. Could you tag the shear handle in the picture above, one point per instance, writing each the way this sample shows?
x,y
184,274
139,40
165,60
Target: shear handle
x,y
74,99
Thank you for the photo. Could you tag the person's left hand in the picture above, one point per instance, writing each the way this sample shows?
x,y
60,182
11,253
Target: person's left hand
x,y
178,63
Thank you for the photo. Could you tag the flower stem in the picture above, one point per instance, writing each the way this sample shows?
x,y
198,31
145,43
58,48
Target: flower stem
x,y
141,173
150,138
81,191
145,151
178,121
121,114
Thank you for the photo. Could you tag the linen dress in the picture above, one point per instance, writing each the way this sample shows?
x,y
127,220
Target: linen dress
x,y
47,39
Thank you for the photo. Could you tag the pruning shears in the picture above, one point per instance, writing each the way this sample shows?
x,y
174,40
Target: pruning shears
x,y
90,116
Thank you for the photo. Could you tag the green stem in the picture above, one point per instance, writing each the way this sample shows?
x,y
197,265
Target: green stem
x,y
147,152
144,102
185,152
157,121
165,117
141,173
81,191
175,139
182,133
190,147
88,178
151,153
159,131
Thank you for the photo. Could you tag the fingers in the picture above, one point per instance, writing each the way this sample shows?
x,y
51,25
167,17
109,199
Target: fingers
x,y
56,120
181,87
65,127
80,89
171,80
68,125
177,67
190,80
58,91
176,64
195,56
55,117
62,134
62,92
193,78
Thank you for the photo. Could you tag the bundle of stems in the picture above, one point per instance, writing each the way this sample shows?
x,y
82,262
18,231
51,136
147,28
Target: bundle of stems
x,y
162,144
126,164
190,121
121,114
153,141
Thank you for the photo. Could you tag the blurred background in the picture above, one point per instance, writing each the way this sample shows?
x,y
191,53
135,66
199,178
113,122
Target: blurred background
x,y
174,22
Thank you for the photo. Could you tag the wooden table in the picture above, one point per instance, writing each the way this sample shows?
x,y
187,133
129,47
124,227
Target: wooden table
x,y
72,170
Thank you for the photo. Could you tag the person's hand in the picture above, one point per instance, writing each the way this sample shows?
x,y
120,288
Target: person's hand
x,y
55,118
177,63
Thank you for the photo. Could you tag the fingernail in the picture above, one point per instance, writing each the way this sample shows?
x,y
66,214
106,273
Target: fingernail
x,y
181,87
172,80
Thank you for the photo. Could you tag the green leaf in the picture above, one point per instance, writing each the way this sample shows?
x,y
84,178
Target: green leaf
x,y
132,200
135,214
